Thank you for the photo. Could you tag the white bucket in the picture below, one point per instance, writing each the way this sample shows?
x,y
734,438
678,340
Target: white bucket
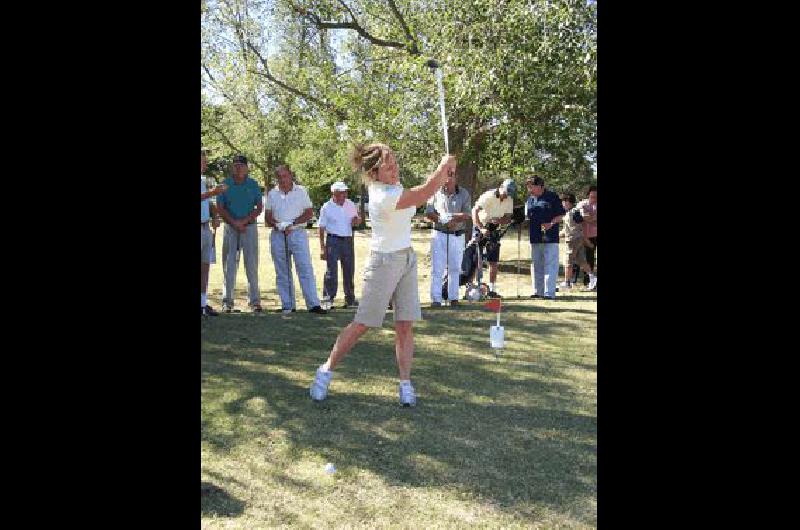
x,y
496,336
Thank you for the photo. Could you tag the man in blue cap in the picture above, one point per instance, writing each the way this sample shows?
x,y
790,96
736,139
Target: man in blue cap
x,y
544,211
240,206
492,209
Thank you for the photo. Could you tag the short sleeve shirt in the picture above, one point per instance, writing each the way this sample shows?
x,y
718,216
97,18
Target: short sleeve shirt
x,y
338,220
573,225
391,228
240,199
543,210
286,207
491,206
458,202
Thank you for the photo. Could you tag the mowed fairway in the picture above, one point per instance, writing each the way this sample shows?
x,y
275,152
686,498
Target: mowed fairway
x,y
492,443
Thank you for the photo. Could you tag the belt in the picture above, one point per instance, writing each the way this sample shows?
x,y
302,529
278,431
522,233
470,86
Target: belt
x,y
456,233
340,237
248,224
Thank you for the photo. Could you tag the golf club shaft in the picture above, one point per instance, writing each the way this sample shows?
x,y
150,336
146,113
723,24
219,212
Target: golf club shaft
x,y
289,267
519,232
447,260
441,108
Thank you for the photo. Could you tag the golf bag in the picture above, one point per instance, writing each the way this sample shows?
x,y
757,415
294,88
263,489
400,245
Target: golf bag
x,y
474,257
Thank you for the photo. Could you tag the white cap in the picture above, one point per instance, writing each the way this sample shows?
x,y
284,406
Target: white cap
x,y
339,186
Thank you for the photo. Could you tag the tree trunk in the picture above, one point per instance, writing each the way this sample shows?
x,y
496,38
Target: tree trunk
x,y
468,178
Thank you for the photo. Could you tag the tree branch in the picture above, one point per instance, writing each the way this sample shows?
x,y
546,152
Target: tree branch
x,y
352,15
230,98
365,61
235,149
414,50
342,115
354,25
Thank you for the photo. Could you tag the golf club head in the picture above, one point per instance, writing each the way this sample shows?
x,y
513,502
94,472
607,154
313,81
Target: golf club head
x,y
432,64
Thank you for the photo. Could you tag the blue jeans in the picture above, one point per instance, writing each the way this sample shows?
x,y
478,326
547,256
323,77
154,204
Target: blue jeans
x,y
544,268
297,243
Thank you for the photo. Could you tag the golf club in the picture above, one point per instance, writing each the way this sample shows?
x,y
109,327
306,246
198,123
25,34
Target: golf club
x,y
289,266
236,265
519,236
434,65
447,258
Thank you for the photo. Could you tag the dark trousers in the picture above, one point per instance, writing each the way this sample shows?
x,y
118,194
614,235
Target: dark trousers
x,y
339,249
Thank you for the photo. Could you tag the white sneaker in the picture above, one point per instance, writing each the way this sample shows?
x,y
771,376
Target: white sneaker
x,y
593,283
319,388
565,285
407,396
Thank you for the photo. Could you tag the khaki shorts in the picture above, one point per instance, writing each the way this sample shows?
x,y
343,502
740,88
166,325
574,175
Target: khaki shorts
x,y
389,276
576,253
205,244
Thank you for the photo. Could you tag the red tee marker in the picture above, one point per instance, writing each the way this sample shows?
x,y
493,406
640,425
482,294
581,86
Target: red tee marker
x,y
493,305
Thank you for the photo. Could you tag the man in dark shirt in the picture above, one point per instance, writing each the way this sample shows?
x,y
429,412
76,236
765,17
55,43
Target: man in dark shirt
x,y
544,211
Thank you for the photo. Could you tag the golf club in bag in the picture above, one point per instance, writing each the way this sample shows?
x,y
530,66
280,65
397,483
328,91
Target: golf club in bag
x,y
475,256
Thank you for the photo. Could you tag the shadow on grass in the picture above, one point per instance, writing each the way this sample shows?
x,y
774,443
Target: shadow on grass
x,y
216,501
509,436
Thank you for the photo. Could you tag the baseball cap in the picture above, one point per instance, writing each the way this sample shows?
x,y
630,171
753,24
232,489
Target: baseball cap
x,y
339,186
510,186
240,159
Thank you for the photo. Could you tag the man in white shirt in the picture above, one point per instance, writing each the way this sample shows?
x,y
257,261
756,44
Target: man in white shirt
x,y
287,208
494,208
337,217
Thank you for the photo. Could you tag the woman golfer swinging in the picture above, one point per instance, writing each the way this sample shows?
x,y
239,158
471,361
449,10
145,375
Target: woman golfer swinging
x,y
391,274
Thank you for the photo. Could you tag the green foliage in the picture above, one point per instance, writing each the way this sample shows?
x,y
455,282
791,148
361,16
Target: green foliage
x,y
520,86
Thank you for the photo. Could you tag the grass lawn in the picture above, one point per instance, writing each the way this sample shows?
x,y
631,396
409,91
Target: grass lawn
x,y
492,443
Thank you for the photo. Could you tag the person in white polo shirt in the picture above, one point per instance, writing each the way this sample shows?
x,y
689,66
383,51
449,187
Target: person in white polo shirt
x,y
286,210
391,273
337,218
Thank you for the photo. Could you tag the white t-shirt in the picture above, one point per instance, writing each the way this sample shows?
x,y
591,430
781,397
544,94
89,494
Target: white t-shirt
x,y
288,207
492,206
337,219
391,228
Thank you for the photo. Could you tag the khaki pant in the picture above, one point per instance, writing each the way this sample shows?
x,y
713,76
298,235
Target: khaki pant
x,y
576,254
247,242
205,244
389,276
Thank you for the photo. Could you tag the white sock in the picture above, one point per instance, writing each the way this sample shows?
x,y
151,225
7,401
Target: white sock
x,y
202,299
405,381
491,286
322,368
592,277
